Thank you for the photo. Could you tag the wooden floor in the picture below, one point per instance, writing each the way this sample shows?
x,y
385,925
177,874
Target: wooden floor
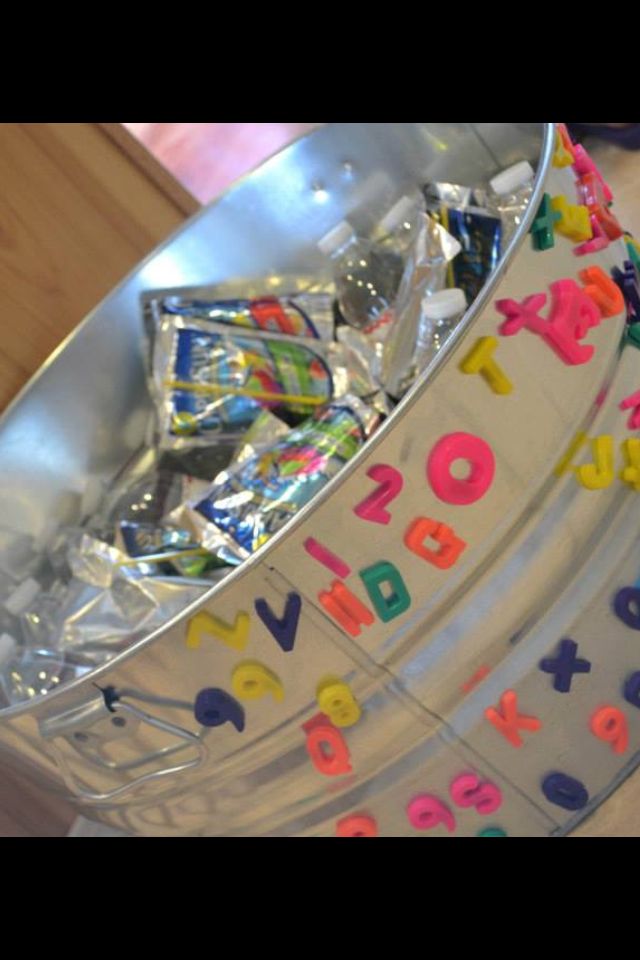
x,y
27,811
75,217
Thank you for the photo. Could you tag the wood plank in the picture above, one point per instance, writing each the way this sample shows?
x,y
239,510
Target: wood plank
x,y
151,167
28,811
76,215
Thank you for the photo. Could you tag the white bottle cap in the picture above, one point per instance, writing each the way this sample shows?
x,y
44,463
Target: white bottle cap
x,y
444,305
512,179
8,648
399,213
22,597
336,239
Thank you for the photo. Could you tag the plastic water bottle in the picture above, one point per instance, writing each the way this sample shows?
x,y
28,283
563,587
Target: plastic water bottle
x,y
425,276
396,232
26,674
509,196
29,666
366,278
440,314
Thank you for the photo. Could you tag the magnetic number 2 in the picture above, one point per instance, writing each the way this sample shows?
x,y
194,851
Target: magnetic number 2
x,y
390,485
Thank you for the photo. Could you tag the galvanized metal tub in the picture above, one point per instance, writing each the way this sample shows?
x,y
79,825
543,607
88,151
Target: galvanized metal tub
x,y
544,560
